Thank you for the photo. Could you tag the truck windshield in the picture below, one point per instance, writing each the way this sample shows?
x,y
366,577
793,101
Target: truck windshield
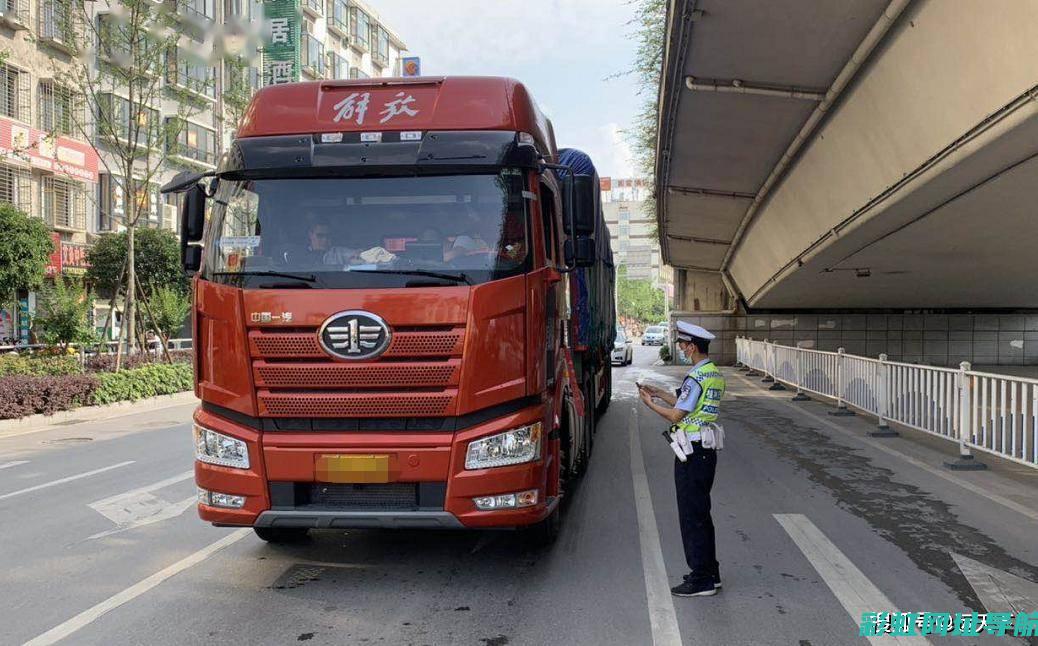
x,y
368,232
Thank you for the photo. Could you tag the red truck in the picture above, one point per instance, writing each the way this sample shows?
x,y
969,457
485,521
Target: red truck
x,y
402,313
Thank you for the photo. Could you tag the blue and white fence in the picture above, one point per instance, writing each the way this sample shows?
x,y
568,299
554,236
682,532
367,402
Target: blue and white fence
x,y
992,413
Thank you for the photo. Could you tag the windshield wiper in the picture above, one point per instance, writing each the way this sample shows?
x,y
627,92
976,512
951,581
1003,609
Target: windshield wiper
x,y
454,278
308,278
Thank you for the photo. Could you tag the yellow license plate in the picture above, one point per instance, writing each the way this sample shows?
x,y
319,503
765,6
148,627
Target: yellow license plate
x,y
352,468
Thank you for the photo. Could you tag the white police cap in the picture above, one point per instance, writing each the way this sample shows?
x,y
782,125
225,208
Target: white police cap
x,y
686,331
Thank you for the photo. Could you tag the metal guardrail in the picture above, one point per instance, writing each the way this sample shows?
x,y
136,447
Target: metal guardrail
x,y
993,413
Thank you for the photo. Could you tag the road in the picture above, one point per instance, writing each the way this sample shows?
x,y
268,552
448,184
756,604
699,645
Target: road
x,y
816,522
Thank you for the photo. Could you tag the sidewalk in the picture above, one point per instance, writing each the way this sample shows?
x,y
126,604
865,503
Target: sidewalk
x,y
38,423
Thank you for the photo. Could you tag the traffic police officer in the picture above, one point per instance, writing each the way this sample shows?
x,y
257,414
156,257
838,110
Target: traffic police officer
x,y
695,405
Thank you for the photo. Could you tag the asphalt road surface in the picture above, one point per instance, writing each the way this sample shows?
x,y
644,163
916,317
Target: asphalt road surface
x,y
816,523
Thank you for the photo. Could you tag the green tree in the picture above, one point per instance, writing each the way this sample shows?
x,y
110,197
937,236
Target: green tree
x,y
638,299
170,307
25,247
650,25
156,254
63,311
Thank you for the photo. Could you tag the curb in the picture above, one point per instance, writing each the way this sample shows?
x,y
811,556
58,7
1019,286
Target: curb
x,y
35,423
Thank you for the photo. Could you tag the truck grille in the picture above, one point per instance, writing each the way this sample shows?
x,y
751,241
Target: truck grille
x,y
418,375
393,496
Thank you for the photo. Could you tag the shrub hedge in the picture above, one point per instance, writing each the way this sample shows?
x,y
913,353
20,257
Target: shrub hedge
x,y
106,362
146,381
22,395
38,366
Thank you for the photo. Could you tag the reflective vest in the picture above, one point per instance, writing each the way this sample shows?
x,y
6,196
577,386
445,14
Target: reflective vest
x,y
708,408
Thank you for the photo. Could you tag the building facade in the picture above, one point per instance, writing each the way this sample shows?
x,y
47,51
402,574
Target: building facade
x,y
631,230
56,164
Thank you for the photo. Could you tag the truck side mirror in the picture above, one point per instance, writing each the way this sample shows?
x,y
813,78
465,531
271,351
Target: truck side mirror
x,y
192,228
579,251
585,203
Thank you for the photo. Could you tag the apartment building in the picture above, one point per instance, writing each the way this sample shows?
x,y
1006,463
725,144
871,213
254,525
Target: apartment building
x,y
631,230
47,167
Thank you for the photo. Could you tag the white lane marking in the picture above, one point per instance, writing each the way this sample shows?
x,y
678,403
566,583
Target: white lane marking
x,y
90,615
965,484
662,619
139,507
64,480
853,589
998,590
8,465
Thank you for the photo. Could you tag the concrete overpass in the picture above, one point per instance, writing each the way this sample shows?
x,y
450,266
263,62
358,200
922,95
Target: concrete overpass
x,y
868,155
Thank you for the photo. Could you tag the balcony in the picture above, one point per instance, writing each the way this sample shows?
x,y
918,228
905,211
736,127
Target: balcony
x,y
312,8
15,14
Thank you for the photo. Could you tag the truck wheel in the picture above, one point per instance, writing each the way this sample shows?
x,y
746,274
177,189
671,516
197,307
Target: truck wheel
x,y
589,418
608,394
544,533
282,534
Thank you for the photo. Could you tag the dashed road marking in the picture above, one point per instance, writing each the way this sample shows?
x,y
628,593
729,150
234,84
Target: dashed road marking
x,y
8,465
64,480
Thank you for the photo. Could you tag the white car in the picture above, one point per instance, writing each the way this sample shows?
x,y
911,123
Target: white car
x,y
623,352
654,335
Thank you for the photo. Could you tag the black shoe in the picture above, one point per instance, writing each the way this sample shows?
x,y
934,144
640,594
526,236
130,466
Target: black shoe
x,y
695,587
716,577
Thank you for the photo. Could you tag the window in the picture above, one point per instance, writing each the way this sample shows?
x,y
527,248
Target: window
x,y
339,66
63,203
380,51
191,74
14,92
118,118
16,187
17,10
240,9
357,73
200,8
311,53
360,28
192,141
472,228
120,48
56,106
312,5
112,198
339,17
58,21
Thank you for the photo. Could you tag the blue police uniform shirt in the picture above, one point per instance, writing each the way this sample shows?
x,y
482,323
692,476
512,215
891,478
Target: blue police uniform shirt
x,y
689,395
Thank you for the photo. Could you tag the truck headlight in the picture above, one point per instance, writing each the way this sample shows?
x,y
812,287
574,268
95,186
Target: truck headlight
x,y
511,447
219,449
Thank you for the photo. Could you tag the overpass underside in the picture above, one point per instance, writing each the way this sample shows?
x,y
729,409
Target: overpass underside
x,y
859,156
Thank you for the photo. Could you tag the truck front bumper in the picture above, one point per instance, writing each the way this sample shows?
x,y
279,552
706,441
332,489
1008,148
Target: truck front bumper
x,y
286,457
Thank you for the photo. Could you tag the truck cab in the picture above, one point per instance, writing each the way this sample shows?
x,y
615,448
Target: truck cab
x,y
382,311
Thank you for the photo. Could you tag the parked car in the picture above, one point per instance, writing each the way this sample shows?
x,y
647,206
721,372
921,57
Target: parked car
x,y
623,351
654,335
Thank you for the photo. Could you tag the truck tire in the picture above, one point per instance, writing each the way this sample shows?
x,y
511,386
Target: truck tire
x,y
608,394
544,533
278,535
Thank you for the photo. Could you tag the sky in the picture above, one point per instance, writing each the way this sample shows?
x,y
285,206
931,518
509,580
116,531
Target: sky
x,y
563,50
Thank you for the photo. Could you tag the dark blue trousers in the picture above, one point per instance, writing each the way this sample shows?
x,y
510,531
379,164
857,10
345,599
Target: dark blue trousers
x,y
693,480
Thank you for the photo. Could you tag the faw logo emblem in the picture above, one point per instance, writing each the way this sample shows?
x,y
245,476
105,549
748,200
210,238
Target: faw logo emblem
x,y
354,335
